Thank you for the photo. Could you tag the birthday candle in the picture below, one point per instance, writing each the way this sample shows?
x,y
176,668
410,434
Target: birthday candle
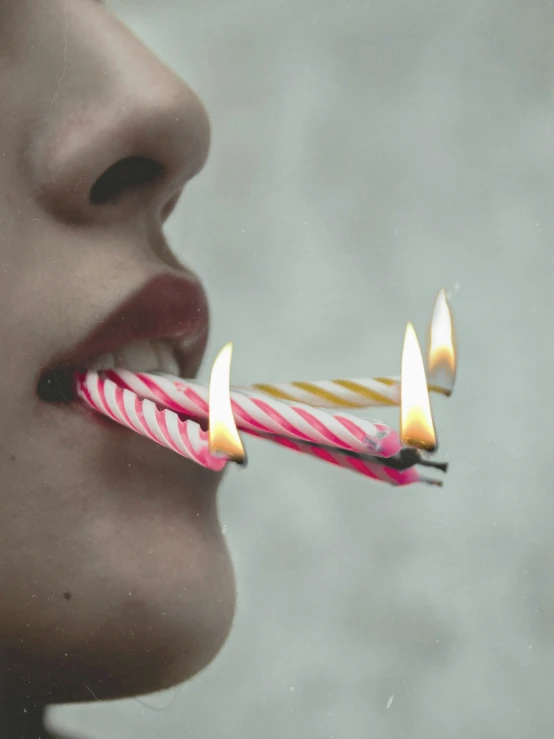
x,y
344,393
376,391
373,467
141,415
189,440
251,412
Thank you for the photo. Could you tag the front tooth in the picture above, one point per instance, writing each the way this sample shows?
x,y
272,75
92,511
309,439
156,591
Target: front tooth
x,y
137,356
166,358
105,361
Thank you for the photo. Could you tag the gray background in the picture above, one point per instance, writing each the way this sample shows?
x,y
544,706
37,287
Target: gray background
x,y
364,155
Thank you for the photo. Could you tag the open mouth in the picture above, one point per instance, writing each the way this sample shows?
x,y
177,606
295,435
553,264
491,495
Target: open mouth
x,y
169,356
59,384
162,328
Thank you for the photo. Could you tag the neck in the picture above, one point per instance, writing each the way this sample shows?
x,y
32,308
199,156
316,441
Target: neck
x,y
21,716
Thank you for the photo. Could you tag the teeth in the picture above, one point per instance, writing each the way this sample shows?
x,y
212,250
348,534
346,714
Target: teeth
x,y
188,342
137,356
140,356
105,361
166,358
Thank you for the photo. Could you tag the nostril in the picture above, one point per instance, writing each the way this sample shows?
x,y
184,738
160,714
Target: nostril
x,y
129,173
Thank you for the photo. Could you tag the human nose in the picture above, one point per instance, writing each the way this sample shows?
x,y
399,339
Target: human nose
x,y
123,148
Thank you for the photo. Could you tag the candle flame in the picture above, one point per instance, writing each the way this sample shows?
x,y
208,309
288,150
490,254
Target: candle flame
x,y
416,422
223,435
441,358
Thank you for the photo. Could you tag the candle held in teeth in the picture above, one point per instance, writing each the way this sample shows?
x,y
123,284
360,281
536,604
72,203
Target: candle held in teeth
x,y
362,464
343,393
376,391
141,415
187,438
252,413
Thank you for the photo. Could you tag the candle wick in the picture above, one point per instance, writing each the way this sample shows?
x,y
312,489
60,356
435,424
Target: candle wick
x,y
443,466
407,457
429,481
242,462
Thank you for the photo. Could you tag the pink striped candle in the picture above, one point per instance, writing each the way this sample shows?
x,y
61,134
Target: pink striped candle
x,y
187,438
141,415
266,415
360,464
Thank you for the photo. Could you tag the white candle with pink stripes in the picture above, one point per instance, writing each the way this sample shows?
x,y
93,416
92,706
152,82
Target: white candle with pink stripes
x,y
367,466
266,415
141,415
186,438
154,405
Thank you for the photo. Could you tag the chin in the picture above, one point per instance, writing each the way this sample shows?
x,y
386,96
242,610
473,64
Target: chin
x,y
144,603
160,638
141,647
116,577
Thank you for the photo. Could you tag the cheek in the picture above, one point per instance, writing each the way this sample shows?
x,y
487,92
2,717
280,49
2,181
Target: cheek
x,y
104,564
123,603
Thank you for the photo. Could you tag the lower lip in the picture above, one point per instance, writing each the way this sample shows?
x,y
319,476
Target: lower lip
x,y
99,419
95,417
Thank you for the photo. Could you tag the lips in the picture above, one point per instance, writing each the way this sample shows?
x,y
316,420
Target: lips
x,y
172,309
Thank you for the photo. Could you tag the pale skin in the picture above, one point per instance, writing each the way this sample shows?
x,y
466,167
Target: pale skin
x,y
115,577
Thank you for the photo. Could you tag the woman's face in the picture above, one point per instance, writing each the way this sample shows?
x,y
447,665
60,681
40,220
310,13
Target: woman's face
x,y
113,570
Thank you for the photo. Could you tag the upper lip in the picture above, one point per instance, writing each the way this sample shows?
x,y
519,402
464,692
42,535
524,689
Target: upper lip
x,y
169,306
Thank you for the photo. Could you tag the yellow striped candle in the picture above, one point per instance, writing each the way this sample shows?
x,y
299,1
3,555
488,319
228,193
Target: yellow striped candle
x,y
346,393
376,391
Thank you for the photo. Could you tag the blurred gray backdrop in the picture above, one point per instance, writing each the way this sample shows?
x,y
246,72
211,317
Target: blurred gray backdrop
x,y
364,155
